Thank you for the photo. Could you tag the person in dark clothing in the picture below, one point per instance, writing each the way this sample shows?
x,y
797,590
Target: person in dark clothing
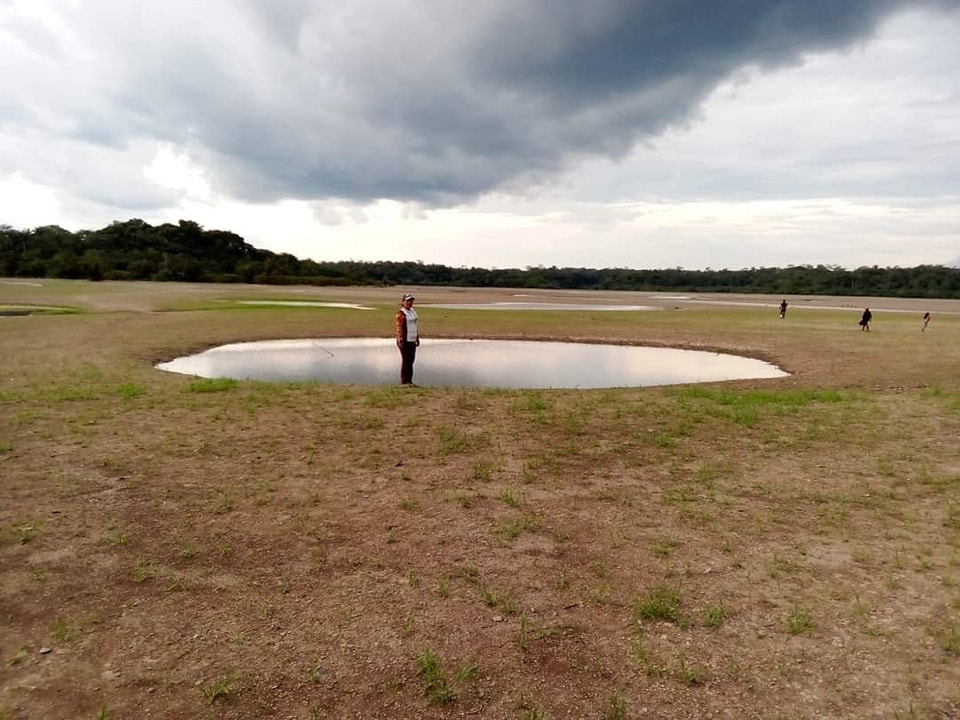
x,y
408,338
783,309
865,319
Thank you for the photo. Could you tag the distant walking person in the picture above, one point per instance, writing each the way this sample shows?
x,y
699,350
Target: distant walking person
x,y
783,309
865,319
926,321
408,338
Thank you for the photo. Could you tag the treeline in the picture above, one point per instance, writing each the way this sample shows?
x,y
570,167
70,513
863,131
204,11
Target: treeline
x,y
135,250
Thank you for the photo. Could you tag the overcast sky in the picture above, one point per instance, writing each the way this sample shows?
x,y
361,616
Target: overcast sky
x,y
495,133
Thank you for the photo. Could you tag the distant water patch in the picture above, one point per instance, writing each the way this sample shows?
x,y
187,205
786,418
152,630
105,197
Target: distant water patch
x,y
569,307
304,303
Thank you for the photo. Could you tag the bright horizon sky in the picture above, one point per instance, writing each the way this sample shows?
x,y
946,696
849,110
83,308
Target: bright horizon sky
x,y
508,133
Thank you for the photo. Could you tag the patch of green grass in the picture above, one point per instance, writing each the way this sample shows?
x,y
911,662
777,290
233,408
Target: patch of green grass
x,y
115,537
104,713
779,567
5,447
482,471
223,504
25,533
176,584
443,587
212,385
224,688
952,518
145,569
664,440
799,620
715,615
130,390
470,574
534,401
63,630
71,393
436,686
466,500
664,547
409,504
652,666
662,602
616,707
529,711
512,528
949,640
688,674
451,442
512,497
503,601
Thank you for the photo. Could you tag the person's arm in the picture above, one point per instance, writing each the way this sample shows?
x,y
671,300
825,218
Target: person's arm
x,y
401,327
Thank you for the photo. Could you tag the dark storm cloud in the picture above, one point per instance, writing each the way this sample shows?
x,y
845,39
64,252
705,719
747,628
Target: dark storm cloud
x,y
429,100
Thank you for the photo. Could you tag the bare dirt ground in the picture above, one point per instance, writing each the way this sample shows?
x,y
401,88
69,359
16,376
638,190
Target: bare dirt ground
x,y
173,547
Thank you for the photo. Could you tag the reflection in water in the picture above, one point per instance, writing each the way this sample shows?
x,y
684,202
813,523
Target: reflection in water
x,y
535,306
469,363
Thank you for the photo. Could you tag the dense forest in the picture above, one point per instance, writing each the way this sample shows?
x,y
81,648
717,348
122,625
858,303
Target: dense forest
x,y
135,250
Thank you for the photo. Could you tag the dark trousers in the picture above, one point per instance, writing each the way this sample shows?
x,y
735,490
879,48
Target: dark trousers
x,y
408,353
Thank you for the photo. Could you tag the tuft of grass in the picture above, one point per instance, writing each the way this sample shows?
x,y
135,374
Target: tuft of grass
x,y
223,504
616,706
688,674
451,442
715,615
115,538
949,640
26,532
481,471
504,602
5,447
103,713
223,688
470,574
513,528
662,602
443,587
146,569
176,584
513,498
530,711
664,547
63,630
436,686
799,621
652,667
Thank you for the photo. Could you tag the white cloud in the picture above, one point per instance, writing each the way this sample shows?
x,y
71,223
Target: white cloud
x,y
26,204
176,171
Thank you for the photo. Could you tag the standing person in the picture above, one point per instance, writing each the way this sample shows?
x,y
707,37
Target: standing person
x,y
865,319
408,338
783,309
926,321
